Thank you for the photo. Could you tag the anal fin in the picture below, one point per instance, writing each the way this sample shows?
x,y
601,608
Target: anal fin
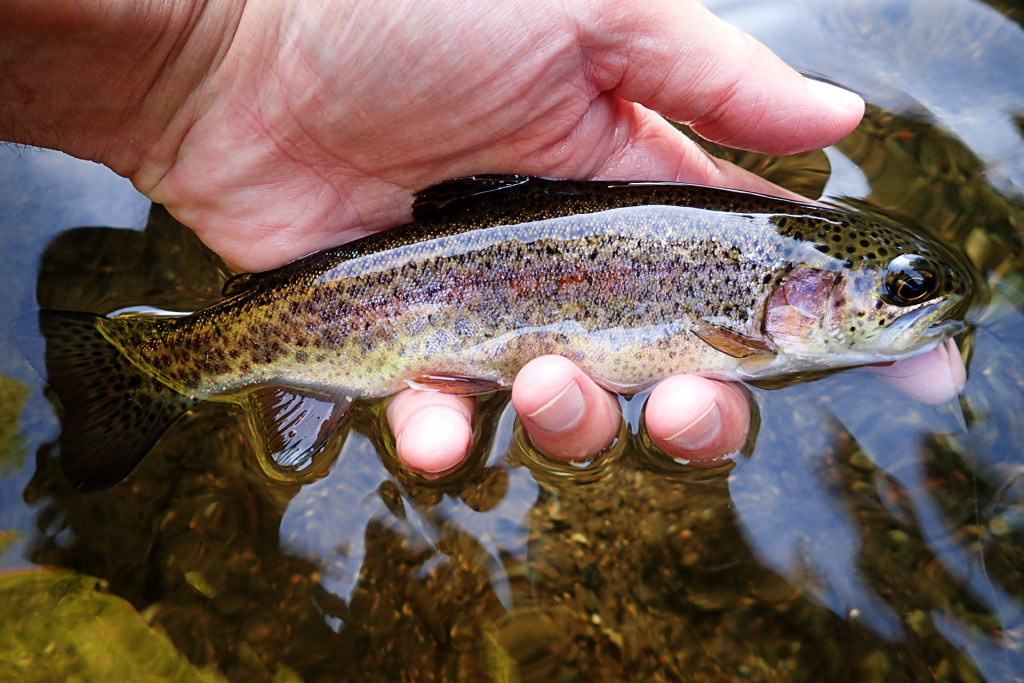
x,y
291,425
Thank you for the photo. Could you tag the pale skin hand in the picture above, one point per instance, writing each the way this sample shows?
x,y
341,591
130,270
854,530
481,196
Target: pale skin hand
x,y
277,129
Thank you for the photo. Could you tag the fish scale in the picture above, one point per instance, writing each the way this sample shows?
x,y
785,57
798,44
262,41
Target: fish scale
x,y
632,281
355,334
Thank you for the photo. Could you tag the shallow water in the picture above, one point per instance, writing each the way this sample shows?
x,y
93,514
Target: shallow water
x,y
866,537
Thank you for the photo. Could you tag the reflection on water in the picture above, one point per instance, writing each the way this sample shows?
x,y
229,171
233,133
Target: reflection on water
x,y
866,536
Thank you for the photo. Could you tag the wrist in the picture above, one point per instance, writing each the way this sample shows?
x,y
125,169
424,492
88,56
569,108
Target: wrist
x,y
106,81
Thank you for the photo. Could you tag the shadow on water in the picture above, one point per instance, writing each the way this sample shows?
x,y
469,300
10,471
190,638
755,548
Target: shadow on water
x,y
865,537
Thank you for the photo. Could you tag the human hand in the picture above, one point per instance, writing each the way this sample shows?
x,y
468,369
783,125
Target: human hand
x,y
568,417
278,129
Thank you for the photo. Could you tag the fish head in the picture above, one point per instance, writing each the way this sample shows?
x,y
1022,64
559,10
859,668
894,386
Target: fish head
x,y
894,294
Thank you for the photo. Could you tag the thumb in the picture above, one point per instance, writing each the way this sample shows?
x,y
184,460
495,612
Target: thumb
x,y
679,59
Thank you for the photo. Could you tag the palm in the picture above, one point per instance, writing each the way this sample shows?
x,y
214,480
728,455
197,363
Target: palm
x,y
325,136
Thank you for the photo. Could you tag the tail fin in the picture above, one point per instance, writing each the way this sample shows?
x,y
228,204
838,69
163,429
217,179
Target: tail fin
x,y
114,412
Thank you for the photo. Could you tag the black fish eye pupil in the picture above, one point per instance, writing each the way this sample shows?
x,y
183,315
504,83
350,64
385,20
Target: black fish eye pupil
x,y
909,280
913,287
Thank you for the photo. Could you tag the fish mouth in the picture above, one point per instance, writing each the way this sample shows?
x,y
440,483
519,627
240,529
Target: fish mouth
x,y
944,329
910,335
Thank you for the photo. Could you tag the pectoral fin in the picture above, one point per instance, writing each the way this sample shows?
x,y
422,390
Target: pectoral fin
x,y
291,425
732,343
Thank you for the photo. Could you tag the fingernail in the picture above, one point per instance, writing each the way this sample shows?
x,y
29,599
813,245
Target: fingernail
x,y
834,95
562,412
700,432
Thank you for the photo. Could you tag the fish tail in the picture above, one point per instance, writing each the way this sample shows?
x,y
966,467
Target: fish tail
x,y
113,410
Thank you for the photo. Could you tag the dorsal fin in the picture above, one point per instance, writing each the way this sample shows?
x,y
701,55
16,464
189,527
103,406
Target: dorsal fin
x,y
437,198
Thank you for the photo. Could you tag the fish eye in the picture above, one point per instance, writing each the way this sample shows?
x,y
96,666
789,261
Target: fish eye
x,y
909,280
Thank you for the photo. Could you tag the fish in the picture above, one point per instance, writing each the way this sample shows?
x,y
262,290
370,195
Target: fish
x,y
633,281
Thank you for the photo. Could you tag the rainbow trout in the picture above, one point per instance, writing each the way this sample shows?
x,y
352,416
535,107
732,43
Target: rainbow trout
x,y
634,281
